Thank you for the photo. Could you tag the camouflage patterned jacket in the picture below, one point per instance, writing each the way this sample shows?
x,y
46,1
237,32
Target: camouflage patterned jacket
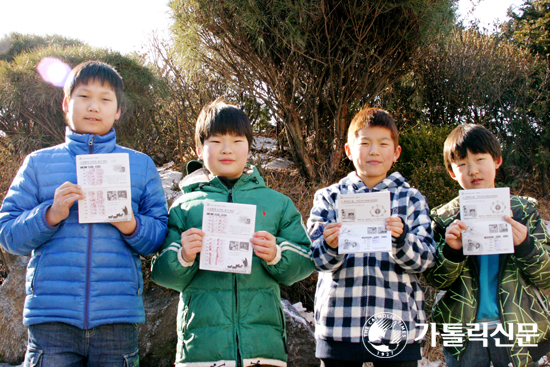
x,y
521,277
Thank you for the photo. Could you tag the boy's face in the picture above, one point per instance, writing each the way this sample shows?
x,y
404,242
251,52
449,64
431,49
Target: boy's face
x,y
92,108
373,153
224,155
475,171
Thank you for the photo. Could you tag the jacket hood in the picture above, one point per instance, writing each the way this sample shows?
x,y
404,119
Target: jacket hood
x,y
80,143
198,177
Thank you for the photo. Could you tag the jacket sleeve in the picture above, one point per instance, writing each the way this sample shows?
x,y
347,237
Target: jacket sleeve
x,y
23,225
448,262
323,212
415,252
532,256
152,218
293,261
168,267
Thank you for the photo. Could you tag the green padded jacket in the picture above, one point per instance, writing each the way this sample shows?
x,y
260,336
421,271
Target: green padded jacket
x,y
227,318
522,275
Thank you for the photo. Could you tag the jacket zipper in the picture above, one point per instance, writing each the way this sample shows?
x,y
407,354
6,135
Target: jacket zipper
x,y
88,257
230,200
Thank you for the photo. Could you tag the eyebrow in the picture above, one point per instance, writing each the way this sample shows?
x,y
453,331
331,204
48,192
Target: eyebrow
x,y
369,138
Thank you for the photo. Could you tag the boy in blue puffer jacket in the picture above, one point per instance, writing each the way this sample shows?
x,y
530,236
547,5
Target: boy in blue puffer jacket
x,y
84,283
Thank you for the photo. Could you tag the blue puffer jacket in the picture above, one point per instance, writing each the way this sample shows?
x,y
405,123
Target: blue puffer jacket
x,y
81,274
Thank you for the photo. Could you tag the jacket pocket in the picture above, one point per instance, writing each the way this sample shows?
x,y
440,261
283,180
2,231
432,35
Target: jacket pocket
x,y
35,261
134,260
542,301
132,360
33,358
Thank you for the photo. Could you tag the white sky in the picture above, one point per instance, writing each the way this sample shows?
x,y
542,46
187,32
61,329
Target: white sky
x,y
121,25
125,25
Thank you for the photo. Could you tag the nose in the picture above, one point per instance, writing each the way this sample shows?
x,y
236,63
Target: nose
x,y
226,148
93,105
373,149
473,169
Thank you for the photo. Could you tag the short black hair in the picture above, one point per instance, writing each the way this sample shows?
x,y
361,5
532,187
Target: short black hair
x,y
220,118
95,70
470,137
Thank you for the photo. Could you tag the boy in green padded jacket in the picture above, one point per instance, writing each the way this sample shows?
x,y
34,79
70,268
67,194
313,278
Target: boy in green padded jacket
x,y
225,318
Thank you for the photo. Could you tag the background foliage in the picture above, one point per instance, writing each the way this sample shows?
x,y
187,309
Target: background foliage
x,y
300,70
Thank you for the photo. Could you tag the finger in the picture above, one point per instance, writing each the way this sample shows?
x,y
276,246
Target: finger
x,y
333,226
512,222
264,234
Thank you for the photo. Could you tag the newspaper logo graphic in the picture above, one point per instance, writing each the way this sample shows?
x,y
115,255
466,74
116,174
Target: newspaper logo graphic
x,y
378,211
384,335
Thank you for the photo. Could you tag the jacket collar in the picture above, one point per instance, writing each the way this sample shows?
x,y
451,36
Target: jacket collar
x,y
80,143
199,177
392,181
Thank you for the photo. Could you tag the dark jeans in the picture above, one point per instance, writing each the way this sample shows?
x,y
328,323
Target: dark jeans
x,y
61,345
389,363
479,356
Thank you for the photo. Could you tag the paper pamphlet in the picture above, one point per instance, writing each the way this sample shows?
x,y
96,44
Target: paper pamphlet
x,y
105,180
483,211
228,229
363,218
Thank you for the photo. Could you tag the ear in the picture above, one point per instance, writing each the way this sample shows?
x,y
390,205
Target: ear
x,y
198,150
452,174
397,153
118,113
65,104
498,162
347,149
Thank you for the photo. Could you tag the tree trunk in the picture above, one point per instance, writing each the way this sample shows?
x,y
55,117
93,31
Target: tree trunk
x,y
298,149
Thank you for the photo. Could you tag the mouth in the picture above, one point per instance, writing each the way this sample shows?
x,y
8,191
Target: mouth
x,y
91,119
227,161
476,181
374,162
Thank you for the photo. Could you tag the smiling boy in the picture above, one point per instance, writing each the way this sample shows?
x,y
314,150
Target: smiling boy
x,y
241,312
354,287
493,292
84,283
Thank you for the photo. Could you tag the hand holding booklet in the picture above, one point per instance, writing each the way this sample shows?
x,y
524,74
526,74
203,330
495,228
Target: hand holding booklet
x,y
228,229
363,218
483,211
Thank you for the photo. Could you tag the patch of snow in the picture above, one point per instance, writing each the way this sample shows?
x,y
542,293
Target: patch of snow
x,y
303,312
170,181
262,142
425,363
266,160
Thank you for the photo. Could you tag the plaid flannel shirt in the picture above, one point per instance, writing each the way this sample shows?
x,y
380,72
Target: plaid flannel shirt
x,y
353,287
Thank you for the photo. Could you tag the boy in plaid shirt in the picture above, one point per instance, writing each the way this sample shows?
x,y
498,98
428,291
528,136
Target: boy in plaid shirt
x,y
368,305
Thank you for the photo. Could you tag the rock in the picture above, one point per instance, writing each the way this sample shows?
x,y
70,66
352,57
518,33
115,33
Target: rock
x,y
300,339
12,299
157,337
